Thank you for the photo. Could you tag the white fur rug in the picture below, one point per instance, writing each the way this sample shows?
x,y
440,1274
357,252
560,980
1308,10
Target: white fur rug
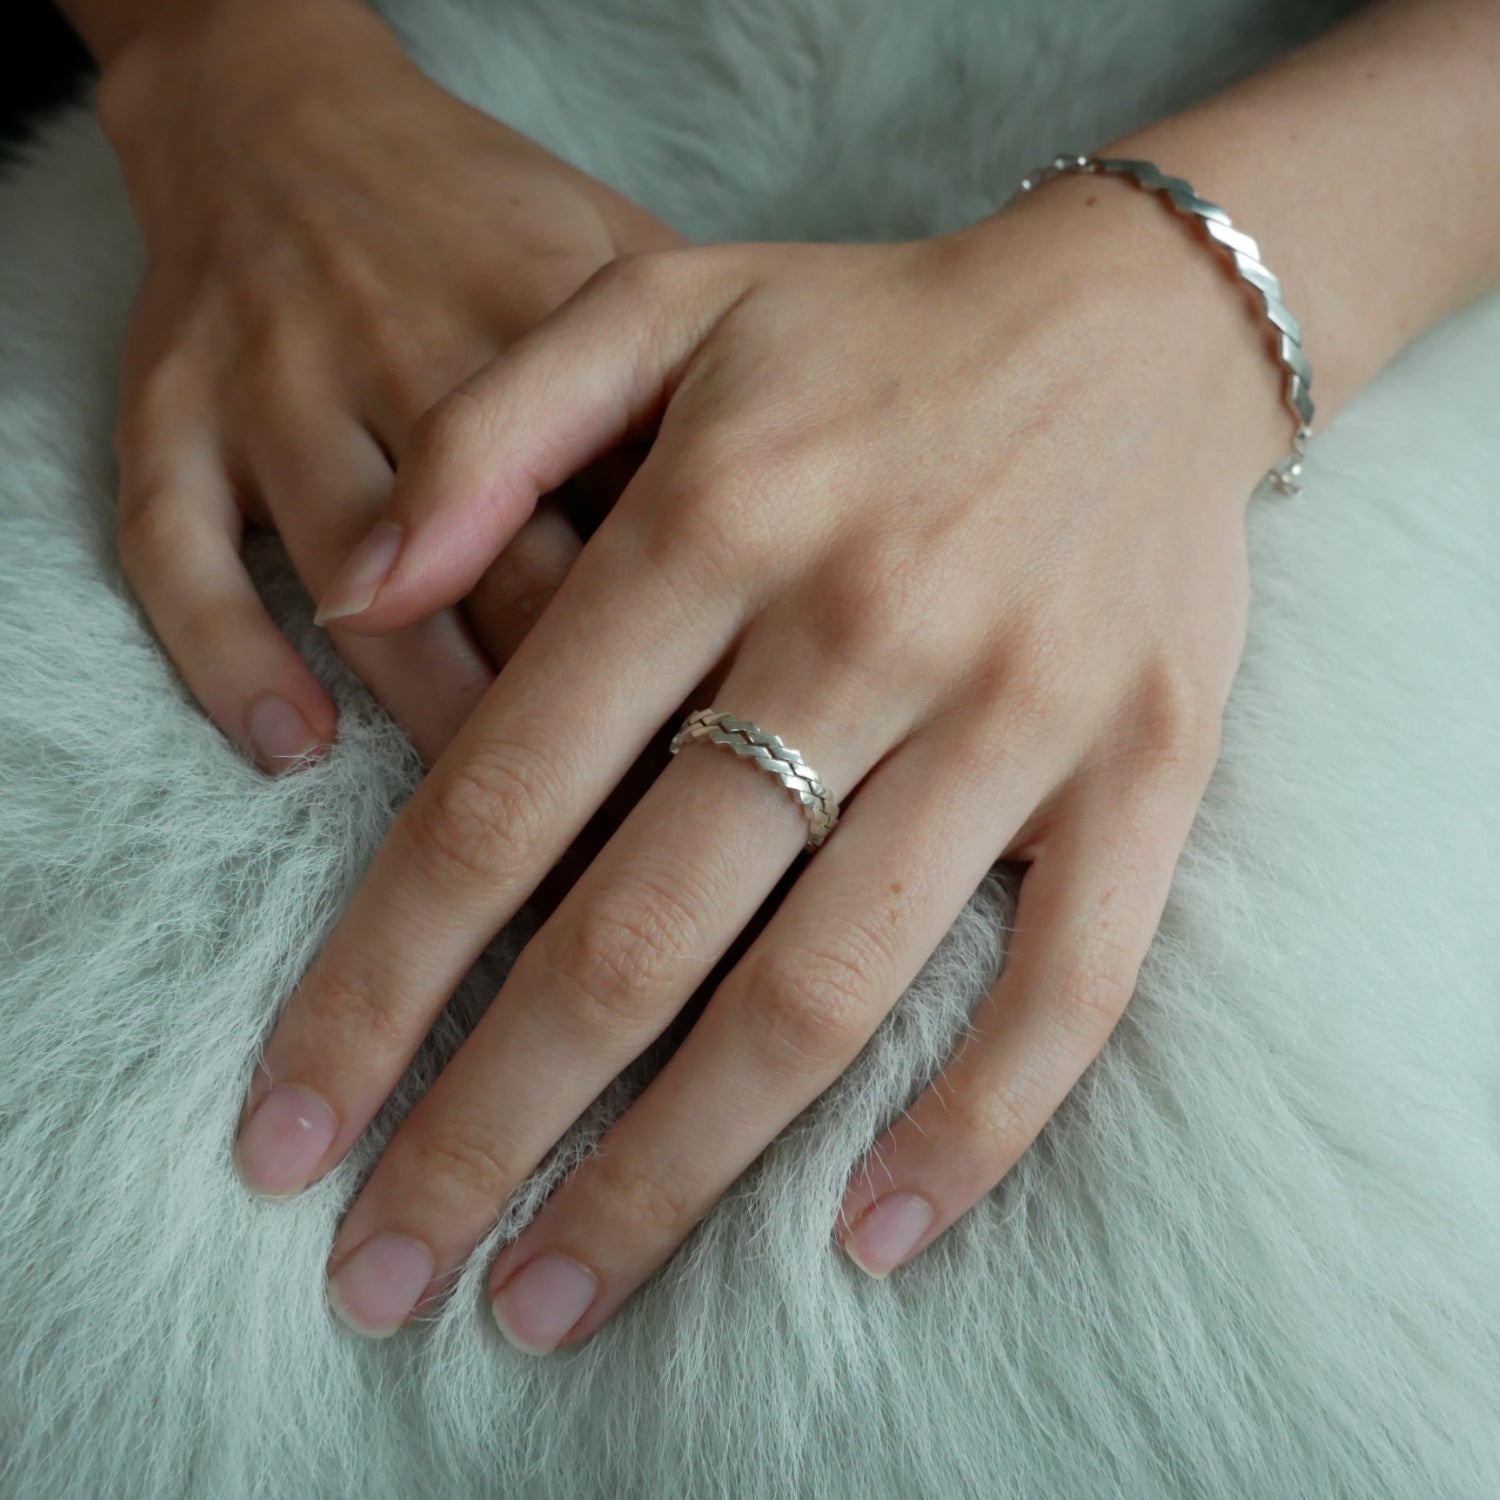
x,y
1258,1252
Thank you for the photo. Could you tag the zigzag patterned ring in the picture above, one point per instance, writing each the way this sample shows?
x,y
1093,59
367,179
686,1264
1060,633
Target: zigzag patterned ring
x,y
770,753
1286,476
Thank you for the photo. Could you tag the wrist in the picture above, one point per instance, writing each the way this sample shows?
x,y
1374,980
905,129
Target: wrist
x,y
256,60
1158,301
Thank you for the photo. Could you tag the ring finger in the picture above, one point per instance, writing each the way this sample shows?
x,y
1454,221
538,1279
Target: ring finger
x,y
601,980
787,1021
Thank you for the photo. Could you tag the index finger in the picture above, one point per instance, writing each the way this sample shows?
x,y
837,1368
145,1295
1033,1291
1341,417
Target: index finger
x,y
634,627
560,398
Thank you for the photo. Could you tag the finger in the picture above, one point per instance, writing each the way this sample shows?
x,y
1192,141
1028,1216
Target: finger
x,y
604,977
617,805
786,1022
504,802
518,584
324,479
179,536
557,399
505,604
521,582
1089,906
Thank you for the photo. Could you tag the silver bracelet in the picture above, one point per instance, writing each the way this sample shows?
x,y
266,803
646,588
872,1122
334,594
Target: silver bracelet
x,y
1286,475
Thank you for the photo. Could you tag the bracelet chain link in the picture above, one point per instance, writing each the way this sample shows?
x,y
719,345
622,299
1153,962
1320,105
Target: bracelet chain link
x,y
1286,476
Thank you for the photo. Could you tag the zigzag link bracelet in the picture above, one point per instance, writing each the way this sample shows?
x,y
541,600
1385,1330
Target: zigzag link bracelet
x,y
1286,476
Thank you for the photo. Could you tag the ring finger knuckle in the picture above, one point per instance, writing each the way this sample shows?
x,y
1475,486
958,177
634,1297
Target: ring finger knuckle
x,y
621,956
150,410
467,1159
880,621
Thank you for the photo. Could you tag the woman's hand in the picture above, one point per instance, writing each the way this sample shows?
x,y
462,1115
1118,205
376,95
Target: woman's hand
x,y
333,243
962,521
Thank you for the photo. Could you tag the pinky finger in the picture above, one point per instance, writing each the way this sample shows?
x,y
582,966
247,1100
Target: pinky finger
x,y
178,539
1089,906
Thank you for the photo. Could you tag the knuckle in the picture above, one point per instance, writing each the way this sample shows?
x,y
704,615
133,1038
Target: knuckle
x,y
647,1206
147,527
695,513
1177,724
548,266
456,423
484,817
994,1123
407,375
637,273
1096,991
279,356
689,545
1083,1003
1037,694
868,617
210,632
620,957
157,392
137,427
465,1159
812,1008
338,1002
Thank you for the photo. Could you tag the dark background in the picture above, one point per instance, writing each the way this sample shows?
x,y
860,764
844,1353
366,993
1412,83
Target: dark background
x,y
42,65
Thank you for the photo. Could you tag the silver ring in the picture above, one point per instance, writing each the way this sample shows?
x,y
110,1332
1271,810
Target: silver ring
x,y
770,754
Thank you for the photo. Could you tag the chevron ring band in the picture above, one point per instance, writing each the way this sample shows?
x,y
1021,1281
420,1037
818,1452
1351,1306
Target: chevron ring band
x,y
1286,476
770,754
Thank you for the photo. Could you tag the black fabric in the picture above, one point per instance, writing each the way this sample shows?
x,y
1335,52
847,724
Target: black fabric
x,y
42,65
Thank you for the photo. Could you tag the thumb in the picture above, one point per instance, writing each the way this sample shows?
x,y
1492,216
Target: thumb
x,y
598,368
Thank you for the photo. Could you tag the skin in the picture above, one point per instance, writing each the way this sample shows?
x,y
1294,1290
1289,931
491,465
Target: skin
x,y
960,518
332,244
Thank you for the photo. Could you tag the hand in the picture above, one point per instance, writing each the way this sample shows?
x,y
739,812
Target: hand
x,y
961,520
333,243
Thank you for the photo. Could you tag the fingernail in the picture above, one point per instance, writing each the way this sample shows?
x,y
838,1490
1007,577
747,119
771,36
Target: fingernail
x,y
355,584
543,1300
284,1140
884,1237
376,1288
279,734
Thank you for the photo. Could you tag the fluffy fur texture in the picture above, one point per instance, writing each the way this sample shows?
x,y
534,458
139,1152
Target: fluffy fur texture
x,y
1257,1254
